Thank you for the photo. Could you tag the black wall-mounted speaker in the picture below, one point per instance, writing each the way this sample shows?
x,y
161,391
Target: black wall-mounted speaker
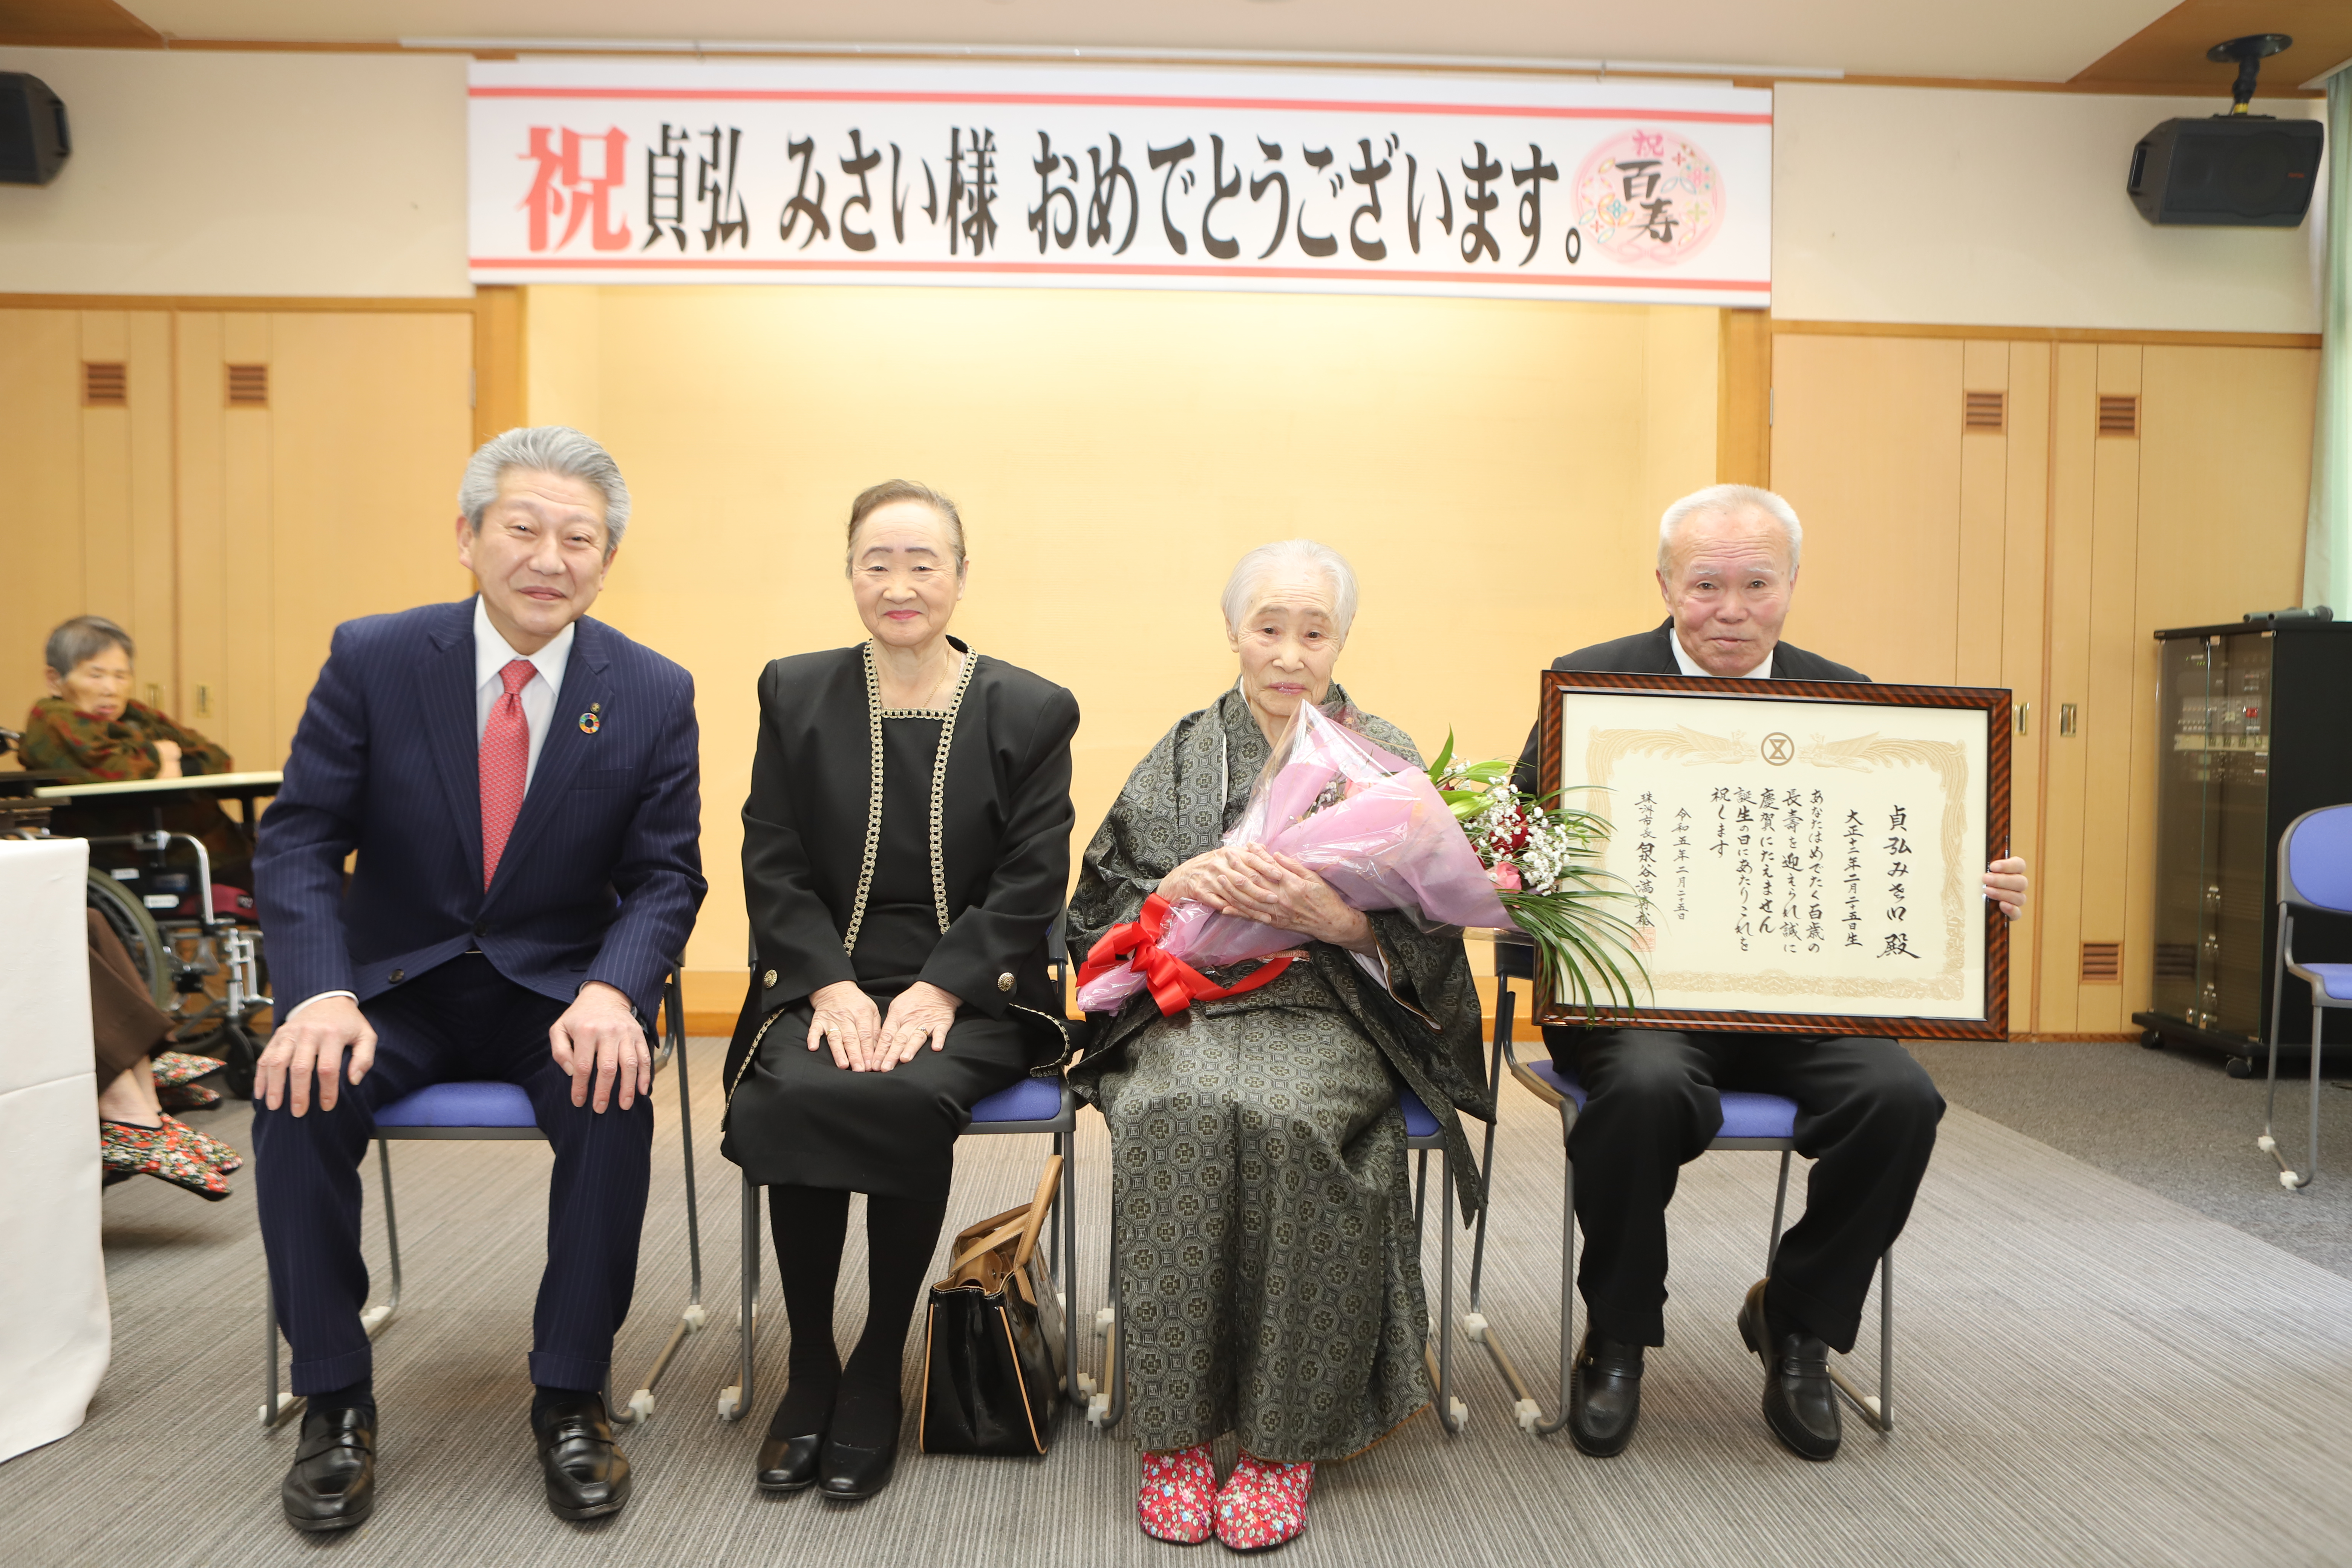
x,y
34,139
2242,169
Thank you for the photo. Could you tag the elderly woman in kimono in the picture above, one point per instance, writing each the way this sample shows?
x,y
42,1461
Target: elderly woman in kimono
x,y
1266,1256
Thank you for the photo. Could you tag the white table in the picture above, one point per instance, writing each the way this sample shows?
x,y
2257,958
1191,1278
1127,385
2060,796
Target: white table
x,y
55,1331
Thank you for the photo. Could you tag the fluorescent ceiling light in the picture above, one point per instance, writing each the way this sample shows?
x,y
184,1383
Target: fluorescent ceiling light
x,y
1116,55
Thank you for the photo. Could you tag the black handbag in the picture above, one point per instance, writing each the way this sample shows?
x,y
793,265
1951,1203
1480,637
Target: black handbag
x,y
992,1340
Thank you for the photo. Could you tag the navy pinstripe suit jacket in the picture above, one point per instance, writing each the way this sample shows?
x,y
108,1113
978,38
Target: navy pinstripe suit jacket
x,y
600,879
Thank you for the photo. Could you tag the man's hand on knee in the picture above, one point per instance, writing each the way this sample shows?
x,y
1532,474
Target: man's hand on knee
x,y
599,1038
313,1041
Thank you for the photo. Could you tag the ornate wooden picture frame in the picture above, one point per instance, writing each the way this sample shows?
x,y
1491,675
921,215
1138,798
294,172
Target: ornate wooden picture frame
x,y
1769,826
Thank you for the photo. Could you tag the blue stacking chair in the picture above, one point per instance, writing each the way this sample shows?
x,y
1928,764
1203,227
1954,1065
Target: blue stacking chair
x,y
491,1112
1765,1122
1034,1105
2314,872
1107,1404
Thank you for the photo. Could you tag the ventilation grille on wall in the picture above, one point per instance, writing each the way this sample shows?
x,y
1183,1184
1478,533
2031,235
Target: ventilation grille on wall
x,y
105,385
2118,414
1984,411
248,386
2102,964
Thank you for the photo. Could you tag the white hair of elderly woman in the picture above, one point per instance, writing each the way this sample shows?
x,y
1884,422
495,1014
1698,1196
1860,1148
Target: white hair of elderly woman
x,y
1729,499
1251,571
553,449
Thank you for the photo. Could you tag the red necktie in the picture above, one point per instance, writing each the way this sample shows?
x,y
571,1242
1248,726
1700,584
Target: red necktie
x,y
505,764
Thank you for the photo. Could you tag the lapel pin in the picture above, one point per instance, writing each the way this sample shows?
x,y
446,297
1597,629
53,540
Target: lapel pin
x,y
590,723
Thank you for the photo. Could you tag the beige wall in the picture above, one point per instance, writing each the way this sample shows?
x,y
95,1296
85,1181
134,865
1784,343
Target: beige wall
x,y
1920,204
270,174
1491,470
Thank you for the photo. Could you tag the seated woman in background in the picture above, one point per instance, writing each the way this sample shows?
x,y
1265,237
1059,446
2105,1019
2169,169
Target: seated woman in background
x,y
1263,1222
89,728
906,848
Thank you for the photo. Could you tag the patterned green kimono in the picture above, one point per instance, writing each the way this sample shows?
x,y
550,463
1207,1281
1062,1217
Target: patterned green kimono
x,y
1263,1218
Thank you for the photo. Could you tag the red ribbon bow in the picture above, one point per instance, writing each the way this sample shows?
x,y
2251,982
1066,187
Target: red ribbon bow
x,y
1174,983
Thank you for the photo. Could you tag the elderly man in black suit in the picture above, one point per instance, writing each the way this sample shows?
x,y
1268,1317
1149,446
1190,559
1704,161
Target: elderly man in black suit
x,y
1728,562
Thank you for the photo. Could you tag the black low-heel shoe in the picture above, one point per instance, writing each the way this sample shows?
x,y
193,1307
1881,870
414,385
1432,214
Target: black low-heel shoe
x,y
1605,1399
790,1464
852,1474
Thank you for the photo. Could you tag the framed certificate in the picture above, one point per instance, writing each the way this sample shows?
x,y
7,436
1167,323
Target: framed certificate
x,y
1808,855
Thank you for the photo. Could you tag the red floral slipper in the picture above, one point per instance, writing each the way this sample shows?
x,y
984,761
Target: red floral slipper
x,y
1263,1504
162,1152
175,1067
220,1156
1178,1500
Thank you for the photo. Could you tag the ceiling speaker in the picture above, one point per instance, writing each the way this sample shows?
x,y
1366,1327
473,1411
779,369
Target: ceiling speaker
x,y
34,139
2243,170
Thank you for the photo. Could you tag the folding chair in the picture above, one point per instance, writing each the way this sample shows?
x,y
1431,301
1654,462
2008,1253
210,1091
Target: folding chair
x,y
2314,872
1750,1121
1032,1105
479,1111
1107,1404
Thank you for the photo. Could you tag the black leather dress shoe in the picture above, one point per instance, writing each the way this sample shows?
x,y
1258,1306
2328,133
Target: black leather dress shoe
x,y
1799,1402
850,1473
1604,1402
332,1484
587,1474
790,1464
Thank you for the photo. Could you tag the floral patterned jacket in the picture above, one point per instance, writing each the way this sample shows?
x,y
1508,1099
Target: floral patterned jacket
x,y
59,738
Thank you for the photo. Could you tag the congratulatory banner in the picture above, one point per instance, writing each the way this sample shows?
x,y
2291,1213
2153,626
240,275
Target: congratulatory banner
x,y
624,171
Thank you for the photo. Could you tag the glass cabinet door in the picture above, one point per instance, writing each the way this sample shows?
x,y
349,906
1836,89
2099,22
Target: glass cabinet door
x,y
2238,839
2184,792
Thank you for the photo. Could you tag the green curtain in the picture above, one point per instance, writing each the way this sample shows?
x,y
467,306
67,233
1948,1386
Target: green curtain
x,y
2327,536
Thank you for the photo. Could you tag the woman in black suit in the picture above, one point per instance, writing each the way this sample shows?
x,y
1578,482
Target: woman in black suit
x,y
906,848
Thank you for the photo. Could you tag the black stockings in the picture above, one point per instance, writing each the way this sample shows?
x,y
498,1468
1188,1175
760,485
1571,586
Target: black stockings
x,y
859,1399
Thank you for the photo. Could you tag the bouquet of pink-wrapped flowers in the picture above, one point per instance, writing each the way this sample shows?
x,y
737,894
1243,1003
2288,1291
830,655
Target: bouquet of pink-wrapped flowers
x,y
1451,846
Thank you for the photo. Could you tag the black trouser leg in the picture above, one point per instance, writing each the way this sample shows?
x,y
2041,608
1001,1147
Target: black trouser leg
x,y
809,1225
1866,1116
1652,1108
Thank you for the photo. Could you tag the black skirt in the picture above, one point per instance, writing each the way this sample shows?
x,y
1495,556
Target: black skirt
x,y
796,1120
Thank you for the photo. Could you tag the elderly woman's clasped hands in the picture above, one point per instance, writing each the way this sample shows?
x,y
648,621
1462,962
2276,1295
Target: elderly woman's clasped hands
x,y
1273,889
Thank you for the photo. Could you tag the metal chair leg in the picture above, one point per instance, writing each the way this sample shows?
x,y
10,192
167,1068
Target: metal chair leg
x,y
1878,1409
276,1406
692,1321
375,1318
1779,1210
1452,1411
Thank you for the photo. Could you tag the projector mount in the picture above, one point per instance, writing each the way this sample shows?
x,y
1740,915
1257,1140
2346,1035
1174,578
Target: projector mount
x,y
2249,52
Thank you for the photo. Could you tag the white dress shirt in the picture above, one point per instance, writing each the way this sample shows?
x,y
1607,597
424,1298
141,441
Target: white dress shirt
x,y
1684,661
492,655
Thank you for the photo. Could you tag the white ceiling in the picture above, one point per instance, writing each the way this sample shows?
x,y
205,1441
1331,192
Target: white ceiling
x,y
2012,39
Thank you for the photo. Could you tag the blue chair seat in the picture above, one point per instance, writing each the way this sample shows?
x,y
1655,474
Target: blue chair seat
x,y
469,1104
1030,1100
2335,979
1745,1115
1417,1122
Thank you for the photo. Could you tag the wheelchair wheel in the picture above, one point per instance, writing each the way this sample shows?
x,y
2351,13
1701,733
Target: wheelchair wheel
x,y
121,910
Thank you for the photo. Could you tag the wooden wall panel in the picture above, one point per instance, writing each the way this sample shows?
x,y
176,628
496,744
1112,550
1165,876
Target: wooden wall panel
x,y
200,497
154,562
40,454
106,544
1866,447
241,718
1983,532
363,483
1743,441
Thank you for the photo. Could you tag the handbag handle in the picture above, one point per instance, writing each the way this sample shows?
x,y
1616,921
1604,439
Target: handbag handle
x,y
1049,1182
1024,1223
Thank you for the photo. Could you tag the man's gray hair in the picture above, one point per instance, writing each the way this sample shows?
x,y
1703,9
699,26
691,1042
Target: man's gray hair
x,y
1731,498
1253,569
554,450
82,638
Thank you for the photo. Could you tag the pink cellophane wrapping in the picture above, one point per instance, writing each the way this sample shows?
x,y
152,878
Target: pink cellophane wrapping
x,y
1367,821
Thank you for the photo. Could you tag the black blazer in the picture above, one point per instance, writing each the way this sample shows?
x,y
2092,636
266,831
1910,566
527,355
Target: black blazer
x,y
1653,653
1004,837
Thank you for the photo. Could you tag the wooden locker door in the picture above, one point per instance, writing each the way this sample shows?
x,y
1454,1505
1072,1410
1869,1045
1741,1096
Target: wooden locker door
x,y
2058,925
129,564
40,454
1866,447
2024,629
226,587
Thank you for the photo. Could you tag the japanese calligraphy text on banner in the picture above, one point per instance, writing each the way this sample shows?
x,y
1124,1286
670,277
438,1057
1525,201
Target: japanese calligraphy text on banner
x,y
624,171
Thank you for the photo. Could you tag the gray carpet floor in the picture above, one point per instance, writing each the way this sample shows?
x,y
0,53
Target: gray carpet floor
x,y
2089,1372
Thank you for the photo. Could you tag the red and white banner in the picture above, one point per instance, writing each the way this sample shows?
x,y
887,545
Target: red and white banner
x,y
635,172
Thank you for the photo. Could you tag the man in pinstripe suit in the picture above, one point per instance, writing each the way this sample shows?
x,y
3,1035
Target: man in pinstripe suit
x,y
521,787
